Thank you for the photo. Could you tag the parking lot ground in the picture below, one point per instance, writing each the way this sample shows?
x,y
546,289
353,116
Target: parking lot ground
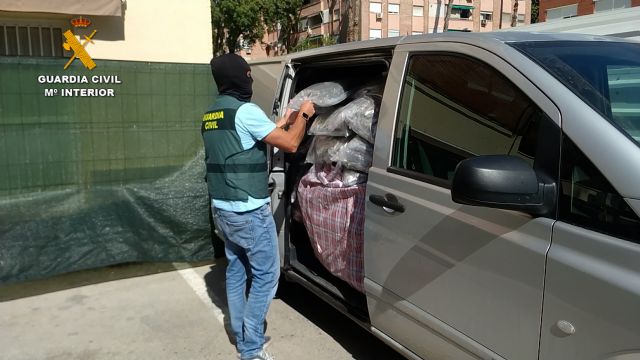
x,y
163,311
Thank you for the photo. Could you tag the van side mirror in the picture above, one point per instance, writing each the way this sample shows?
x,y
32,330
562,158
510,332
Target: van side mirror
x,y
503,182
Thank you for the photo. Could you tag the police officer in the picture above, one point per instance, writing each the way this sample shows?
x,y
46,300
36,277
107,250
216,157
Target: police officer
x,y
235,133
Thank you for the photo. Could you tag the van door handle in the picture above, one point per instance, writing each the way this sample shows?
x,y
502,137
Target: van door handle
x,y
388,202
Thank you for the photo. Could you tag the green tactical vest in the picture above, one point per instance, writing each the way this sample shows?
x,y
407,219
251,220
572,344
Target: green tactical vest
x,y
233,173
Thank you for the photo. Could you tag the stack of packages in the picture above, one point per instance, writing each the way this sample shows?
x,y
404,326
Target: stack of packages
x,y
332,194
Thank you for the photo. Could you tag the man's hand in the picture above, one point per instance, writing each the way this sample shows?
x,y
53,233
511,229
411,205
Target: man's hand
x,y
288,119
291,115
289,139
308,109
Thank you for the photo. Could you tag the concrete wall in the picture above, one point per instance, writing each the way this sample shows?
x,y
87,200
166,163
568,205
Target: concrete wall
x,y
157,30
170,31
585,7
620,23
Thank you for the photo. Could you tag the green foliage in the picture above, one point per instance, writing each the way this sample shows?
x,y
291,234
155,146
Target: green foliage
x,y
312,42
535,8
286,14
329,40
232,20
304,44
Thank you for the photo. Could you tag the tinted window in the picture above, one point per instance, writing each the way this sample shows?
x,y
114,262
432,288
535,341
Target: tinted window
x,y
454,107
587,199
606,75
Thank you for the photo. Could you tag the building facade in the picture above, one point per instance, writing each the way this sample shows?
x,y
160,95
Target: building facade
x,y
136,30
388,18
353,20
563,9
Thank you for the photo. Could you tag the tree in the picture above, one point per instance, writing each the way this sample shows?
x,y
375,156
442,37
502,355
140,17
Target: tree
x,y
514,14
435,23
447,16
332,6
347,22
282,16
219,33
535,7
233,20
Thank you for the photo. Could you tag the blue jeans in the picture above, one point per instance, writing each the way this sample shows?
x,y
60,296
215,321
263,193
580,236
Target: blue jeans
x,y
251,246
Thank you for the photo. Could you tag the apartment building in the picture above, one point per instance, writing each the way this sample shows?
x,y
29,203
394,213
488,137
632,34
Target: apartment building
x,y
354,20
387,18
563,9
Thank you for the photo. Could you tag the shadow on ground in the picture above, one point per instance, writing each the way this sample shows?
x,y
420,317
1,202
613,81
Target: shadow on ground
x,y
361,344
75,279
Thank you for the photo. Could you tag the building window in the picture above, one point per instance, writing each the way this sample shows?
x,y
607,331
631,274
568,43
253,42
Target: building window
x,y
506,18
303,24
486,16
461,11
607,5
394,8
375,33
394,33
336,14
315,20
375,7
418,10
562,12
30,41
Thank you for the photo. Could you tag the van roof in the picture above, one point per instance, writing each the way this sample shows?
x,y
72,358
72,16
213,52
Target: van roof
x,y
485,39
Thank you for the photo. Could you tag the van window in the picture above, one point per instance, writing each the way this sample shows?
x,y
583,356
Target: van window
x,y
588,200
605,75
454,107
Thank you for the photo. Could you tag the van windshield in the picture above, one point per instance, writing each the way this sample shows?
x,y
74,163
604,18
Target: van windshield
x,y
606,75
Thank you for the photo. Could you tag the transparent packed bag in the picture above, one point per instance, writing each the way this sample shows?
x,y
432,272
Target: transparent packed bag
x,y
330,124
357,155
361,117
325,148
352,177
324,94
374,89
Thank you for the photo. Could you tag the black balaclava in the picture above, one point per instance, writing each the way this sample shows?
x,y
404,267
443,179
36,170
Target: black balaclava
x,y
232,74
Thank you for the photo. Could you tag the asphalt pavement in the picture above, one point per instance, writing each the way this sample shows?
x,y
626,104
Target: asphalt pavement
x,y
164,311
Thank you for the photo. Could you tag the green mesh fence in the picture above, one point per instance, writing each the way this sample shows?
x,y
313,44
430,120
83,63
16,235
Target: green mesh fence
x,y
91,181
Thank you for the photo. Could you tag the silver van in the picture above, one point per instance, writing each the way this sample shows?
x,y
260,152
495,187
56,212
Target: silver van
x,y
502,206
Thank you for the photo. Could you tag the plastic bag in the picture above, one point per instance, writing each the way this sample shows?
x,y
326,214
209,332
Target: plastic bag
x,y
361,117
352,177
333,124
334,218
357,155
323,94
374,89
324,148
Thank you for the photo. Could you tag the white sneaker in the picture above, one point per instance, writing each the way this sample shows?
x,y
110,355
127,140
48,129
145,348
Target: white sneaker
x,y
262,356
267,342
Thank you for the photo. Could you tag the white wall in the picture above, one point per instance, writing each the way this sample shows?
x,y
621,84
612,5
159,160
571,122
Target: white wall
x,y
620,23
156,30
